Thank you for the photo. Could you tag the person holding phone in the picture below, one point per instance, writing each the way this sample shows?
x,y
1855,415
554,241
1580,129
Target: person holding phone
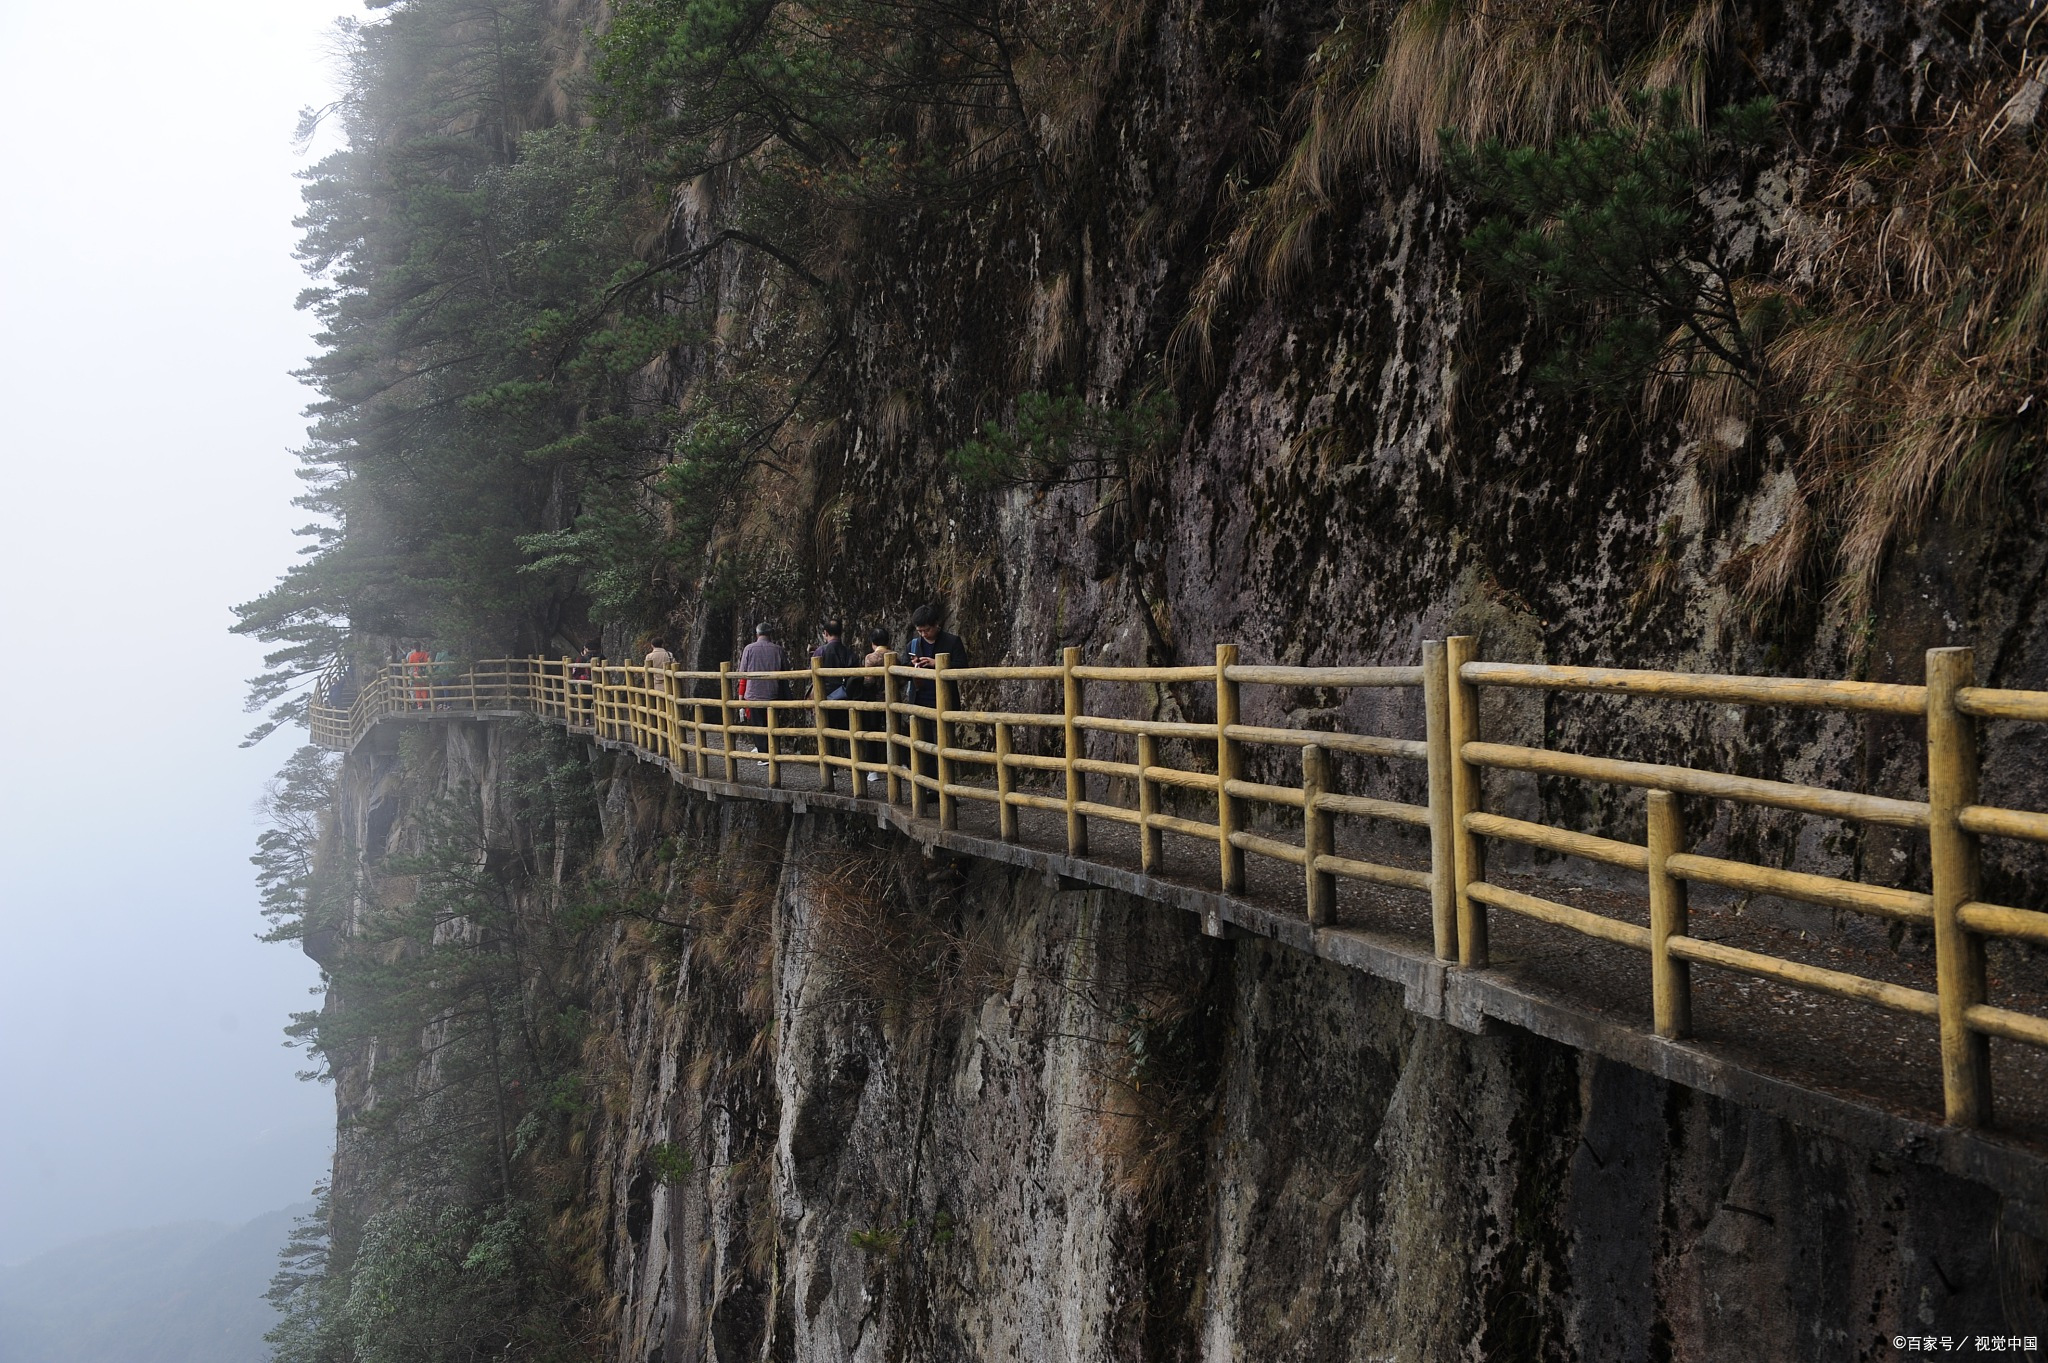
x,y
929,640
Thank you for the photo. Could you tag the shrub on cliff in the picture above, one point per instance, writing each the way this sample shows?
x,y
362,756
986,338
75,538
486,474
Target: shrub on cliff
x,y
1607,238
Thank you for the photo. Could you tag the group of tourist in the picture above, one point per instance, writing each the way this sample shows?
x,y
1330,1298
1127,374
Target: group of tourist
x,y
929,640
430,674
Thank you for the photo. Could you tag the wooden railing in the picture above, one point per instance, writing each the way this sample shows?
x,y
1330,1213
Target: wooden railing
x,y
1192,780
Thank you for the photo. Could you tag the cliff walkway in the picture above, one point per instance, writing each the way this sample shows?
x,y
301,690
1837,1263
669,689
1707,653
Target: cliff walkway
x,y
1864,1009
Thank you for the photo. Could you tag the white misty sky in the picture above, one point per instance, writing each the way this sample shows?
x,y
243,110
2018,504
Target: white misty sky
x,y
146,422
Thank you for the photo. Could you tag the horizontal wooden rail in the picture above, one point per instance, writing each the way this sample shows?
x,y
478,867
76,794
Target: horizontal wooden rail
x,y
1353,869
1365,745
1896,997
1272,795
1324,676
998,673
1986,703
1269,847
1996,920
1563,915
2003,823
1832,695
1906,905
1994,1021
1157,728
1193,828
1365,806
1583,845
1257,783
1174,776
1838,804
1146,674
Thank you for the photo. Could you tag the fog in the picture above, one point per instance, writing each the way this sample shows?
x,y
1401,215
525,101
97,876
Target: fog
x,y
146,420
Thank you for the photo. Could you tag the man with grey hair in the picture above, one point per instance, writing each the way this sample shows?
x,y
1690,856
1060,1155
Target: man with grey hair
x,y
763,655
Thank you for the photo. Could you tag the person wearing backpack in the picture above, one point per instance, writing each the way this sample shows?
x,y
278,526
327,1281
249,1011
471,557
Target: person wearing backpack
x,y
832,652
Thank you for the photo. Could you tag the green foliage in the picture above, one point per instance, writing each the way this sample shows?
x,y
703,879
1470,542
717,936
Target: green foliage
x,y
879,1240
468,1004
533,411
486,324
632,544
1062,438
844,99
1607,237
444,1282
296,806
302,1293
670,1162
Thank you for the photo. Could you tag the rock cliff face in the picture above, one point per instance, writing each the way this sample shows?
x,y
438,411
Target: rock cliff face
x,y
853,1103
1363,460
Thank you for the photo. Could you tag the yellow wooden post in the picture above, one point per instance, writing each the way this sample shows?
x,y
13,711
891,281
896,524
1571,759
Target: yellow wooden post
x,y
568,714
725,721
921,796
1953,861
1070,697
699,763
1149,838
818,727
949,813
1229,767
1436,728
892,696
672,705
768,713
635,678
658,725
635,681
1318,837
1468,855
1006,783
1670,977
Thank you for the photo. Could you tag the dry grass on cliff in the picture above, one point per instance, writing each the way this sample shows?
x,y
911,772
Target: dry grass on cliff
x,y
730,905
1525,71
1153,1105
880,946
1916,370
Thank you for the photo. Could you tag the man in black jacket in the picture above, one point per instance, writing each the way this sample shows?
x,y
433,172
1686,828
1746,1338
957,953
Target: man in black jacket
x,y
833,651
928,640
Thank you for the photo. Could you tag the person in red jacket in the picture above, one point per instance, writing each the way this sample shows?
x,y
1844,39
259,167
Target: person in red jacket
x,y
418,664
